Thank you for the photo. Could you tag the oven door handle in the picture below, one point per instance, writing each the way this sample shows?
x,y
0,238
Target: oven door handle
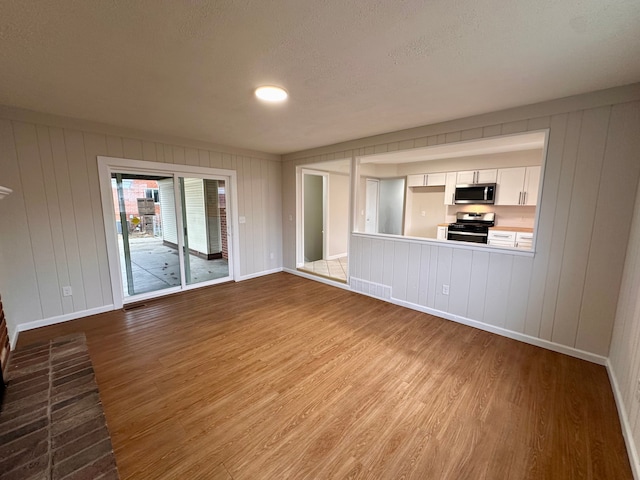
x,y
453,232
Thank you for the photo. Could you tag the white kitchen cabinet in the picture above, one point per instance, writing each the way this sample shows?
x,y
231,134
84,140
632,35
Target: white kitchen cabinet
x,y
415,180
518,186
450,188
426,180
524,240
470,177
531,186
501,238
442,233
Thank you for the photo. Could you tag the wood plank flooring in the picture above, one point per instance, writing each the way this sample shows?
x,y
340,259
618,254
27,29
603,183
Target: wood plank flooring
x,y
281,377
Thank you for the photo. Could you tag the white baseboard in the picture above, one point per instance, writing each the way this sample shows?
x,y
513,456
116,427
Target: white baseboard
x,y
258,274
317,278
539,342
45,322
335,257
627,431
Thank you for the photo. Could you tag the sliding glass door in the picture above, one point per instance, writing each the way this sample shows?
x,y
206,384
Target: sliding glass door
x,y
172,231
204,216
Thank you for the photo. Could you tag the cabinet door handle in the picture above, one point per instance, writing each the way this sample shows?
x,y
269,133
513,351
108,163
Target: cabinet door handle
x,y
520,199
425,179
524,198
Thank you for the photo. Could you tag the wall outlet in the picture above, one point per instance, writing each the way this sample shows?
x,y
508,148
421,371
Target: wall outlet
x,y
66,291
445,289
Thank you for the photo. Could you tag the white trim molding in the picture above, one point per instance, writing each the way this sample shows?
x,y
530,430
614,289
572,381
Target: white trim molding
x,y
625,425
258,274
45,322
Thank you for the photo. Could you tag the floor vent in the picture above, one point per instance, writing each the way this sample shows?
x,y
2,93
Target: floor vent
x,y
133,306
371,288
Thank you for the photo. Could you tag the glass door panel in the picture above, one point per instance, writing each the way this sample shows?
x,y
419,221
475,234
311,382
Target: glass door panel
x,y
144,207
204,217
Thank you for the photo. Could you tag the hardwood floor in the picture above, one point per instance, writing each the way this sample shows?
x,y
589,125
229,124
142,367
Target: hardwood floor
x,y
282,377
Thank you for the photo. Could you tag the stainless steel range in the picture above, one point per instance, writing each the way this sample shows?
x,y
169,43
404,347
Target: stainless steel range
x,y
471,227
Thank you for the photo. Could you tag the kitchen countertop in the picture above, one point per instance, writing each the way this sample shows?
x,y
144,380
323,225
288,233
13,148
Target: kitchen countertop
x,y
443,224
512,229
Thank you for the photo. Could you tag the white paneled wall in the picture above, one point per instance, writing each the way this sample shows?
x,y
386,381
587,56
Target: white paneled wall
x,y
567,292
624,356
52,231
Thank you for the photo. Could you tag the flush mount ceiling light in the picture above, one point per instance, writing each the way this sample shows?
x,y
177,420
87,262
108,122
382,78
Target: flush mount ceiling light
x,y
270,93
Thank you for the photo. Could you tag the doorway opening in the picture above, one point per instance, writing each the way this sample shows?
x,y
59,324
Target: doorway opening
x,y
323,219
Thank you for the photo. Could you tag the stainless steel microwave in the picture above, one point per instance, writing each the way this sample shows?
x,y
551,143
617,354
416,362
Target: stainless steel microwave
x,y
484,193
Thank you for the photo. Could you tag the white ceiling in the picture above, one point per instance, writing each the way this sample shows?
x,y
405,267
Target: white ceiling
x,y
352,69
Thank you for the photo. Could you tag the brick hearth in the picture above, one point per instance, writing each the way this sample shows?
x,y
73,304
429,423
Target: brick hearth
x,y
52,424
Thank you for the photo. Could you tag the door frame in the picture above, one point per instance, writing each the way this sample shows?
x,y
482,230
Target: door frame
x,y
109,165
366,202
300,212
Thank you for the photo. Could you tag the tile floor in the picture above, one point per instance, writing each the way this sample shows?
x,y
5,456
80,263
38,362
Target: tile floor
x,y
337,269
156,266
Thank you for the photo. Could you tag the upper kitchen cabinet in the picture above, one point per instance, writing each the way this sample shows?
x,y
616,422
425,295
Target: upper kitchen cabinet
x,y
518,186
426,180
470,177
450,188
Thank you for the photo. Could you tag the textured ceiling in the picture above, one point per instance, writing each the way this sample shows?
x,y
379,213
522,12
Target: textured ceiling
x,y
352,69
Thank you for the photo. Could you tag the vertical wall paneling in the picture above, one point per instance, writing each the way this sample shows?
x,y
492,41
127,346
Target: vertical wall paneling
x,y
57,233
518,295
388,262
203,158
471,134
55,215
625,342
114,146
37,217
191,156
400,268
258,193
554,209
423,285
517,126
81,195
168,153
366,258
159,152
478,285
443,277
492,130
22,295
499,280
132,148
461,262
618,184
377,254
149,151
242,212
69,225
433,273
215,159
580,223
178,155
413,273
95,145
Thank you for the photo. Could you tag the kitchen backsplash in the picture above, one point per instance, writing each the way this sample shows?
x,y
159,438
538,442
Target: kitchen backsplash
x,y
506,216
